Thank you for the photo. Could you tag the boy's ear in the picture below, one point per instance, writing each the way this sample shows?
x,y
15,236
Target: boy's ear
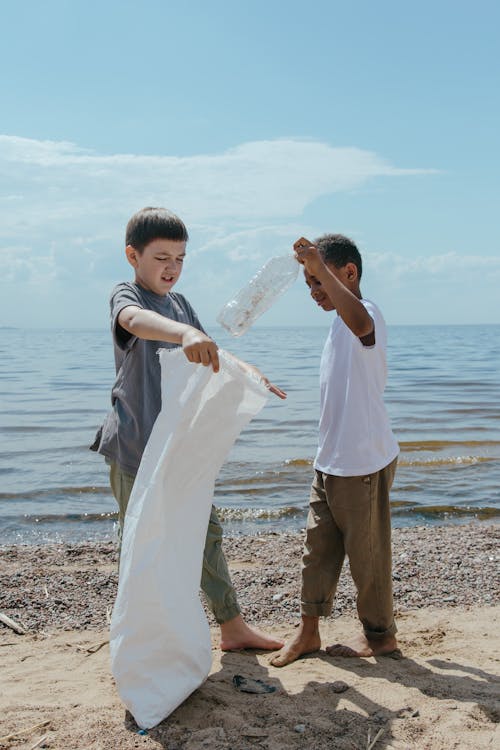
x,y
351,272
131,254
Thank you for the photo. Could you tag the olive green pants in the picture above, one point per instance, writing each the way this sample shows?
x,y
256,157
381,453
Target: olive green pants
x,y
350,516
215,579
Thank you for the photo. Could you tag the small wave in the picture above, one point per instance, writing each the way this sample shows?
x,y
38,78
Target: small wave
x,y
244,514
261,478
67,518
62,385
48,451
269,490
38,428
449,511
258,431
447,461
239,518
51,412
224,514
438,445
55,492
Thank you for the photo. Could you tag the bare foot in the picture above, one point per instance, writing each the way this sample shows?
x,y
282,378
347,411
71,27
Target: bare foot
x,y
306,641
237,634
363,646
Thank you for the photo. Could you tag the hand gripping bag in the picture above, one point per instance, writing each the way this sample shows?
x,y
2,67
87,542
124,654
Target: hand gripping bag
x,y
160,639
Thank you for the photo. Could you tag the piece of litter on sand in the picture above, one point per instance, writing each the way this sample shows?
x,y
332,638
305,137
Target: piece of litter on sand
x,y
12,624
407,713
339,686
39,743
142,731
249,685
396,654
254,733
93,649
371,743
25,731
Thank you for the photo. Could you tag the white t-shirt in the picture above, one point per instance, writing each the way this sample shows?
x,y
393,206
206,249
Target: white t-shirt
x,y
355,436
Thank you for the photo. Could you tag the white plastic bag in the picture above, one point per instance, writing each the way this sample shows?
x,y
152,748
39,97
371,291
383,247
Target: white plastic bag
x,y
160,638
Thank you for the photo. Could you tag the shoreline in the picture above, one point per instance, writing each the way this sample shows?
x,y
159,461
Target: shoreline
x,y
72,586
441,693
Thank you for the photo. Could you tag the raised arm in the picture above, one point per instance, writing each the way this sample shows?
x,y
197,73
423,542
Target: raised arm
x,y
341,285
149,325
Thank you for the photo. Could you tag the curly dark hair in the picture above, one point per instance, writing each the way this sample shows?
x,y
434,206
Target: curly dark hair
x,y
339,250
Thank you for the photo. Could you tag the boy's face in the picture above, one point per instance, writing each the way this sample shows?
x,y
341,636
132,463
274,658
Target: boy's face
x,y
317,292
345,275
159,265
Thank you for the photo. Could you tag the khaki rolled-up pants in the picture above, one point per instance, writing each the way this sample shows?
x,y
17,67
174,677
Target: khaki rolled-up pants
x,y
350,516
215,579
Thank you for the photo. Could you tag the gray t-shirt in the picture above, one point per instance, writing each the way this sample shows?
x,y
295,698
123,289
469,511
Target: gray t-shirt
x,y
136,393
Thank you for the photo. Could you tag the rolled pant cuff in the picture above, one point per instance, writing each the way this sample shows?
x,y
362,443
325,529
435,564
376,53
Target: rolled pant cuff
x,y
377,635
226,613
316,609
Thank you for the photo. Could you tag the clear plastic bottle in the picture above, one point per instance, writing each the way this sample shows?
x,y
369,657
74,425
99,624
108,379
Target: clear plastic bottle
x,y
269,283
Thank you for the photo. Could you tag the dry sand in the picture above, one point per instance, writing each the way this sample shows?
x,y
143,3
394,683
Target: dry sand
x,y
442,693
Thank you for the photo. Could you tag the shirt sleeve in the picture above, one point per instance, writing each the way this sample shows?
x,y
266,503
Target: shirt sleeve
x,y
369,307
122,296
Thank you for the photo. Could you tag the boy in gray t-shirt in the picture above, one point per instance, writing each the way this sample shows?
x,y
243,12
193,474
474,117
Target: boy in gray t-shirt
x,y
145,316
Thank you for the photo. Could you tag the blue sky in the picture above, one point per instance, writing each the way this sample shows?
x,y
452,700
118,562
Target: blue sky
x,y
256,122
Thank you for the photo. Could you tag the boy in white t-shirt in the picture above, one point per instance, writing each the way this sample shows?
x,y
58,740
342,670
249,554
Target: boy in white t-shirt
x,y
349,510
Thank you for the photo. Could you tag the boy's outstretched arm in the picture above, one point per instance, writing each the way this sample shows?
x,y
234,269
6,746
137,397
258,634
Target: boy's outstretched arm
x,y
340,285
149,325
197,346
256,372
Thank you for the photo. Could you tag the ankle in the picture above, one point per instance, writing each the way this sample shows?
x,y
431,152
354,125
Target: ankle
x,y
309,625
229,626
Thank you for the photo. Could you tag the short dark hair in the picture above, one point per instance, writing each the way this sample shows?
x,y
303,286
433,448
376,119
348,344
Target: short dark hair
x,y
339,250
150,224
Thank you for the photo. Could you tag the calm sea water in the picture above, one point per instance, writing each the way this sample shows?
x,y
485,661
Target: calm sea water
x,y
443,396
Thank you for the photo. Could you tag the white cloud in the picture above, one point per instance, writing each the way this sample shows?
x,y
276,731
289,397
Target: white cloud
x,y
273,179
64,209
445,267
20,264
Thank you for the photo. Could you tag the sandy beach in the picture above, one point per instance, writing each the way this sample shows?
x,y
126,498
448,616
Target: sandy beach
x,y
441,691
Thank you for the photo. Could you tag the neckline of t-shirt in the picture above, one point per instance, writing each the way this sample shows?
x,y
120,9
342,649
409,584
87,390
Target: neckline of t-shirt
x,y
160,297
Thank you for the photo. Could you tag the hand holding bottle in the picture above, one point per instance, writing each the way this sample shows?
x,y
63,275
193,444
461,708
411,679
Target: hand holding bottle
x,y
309,256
